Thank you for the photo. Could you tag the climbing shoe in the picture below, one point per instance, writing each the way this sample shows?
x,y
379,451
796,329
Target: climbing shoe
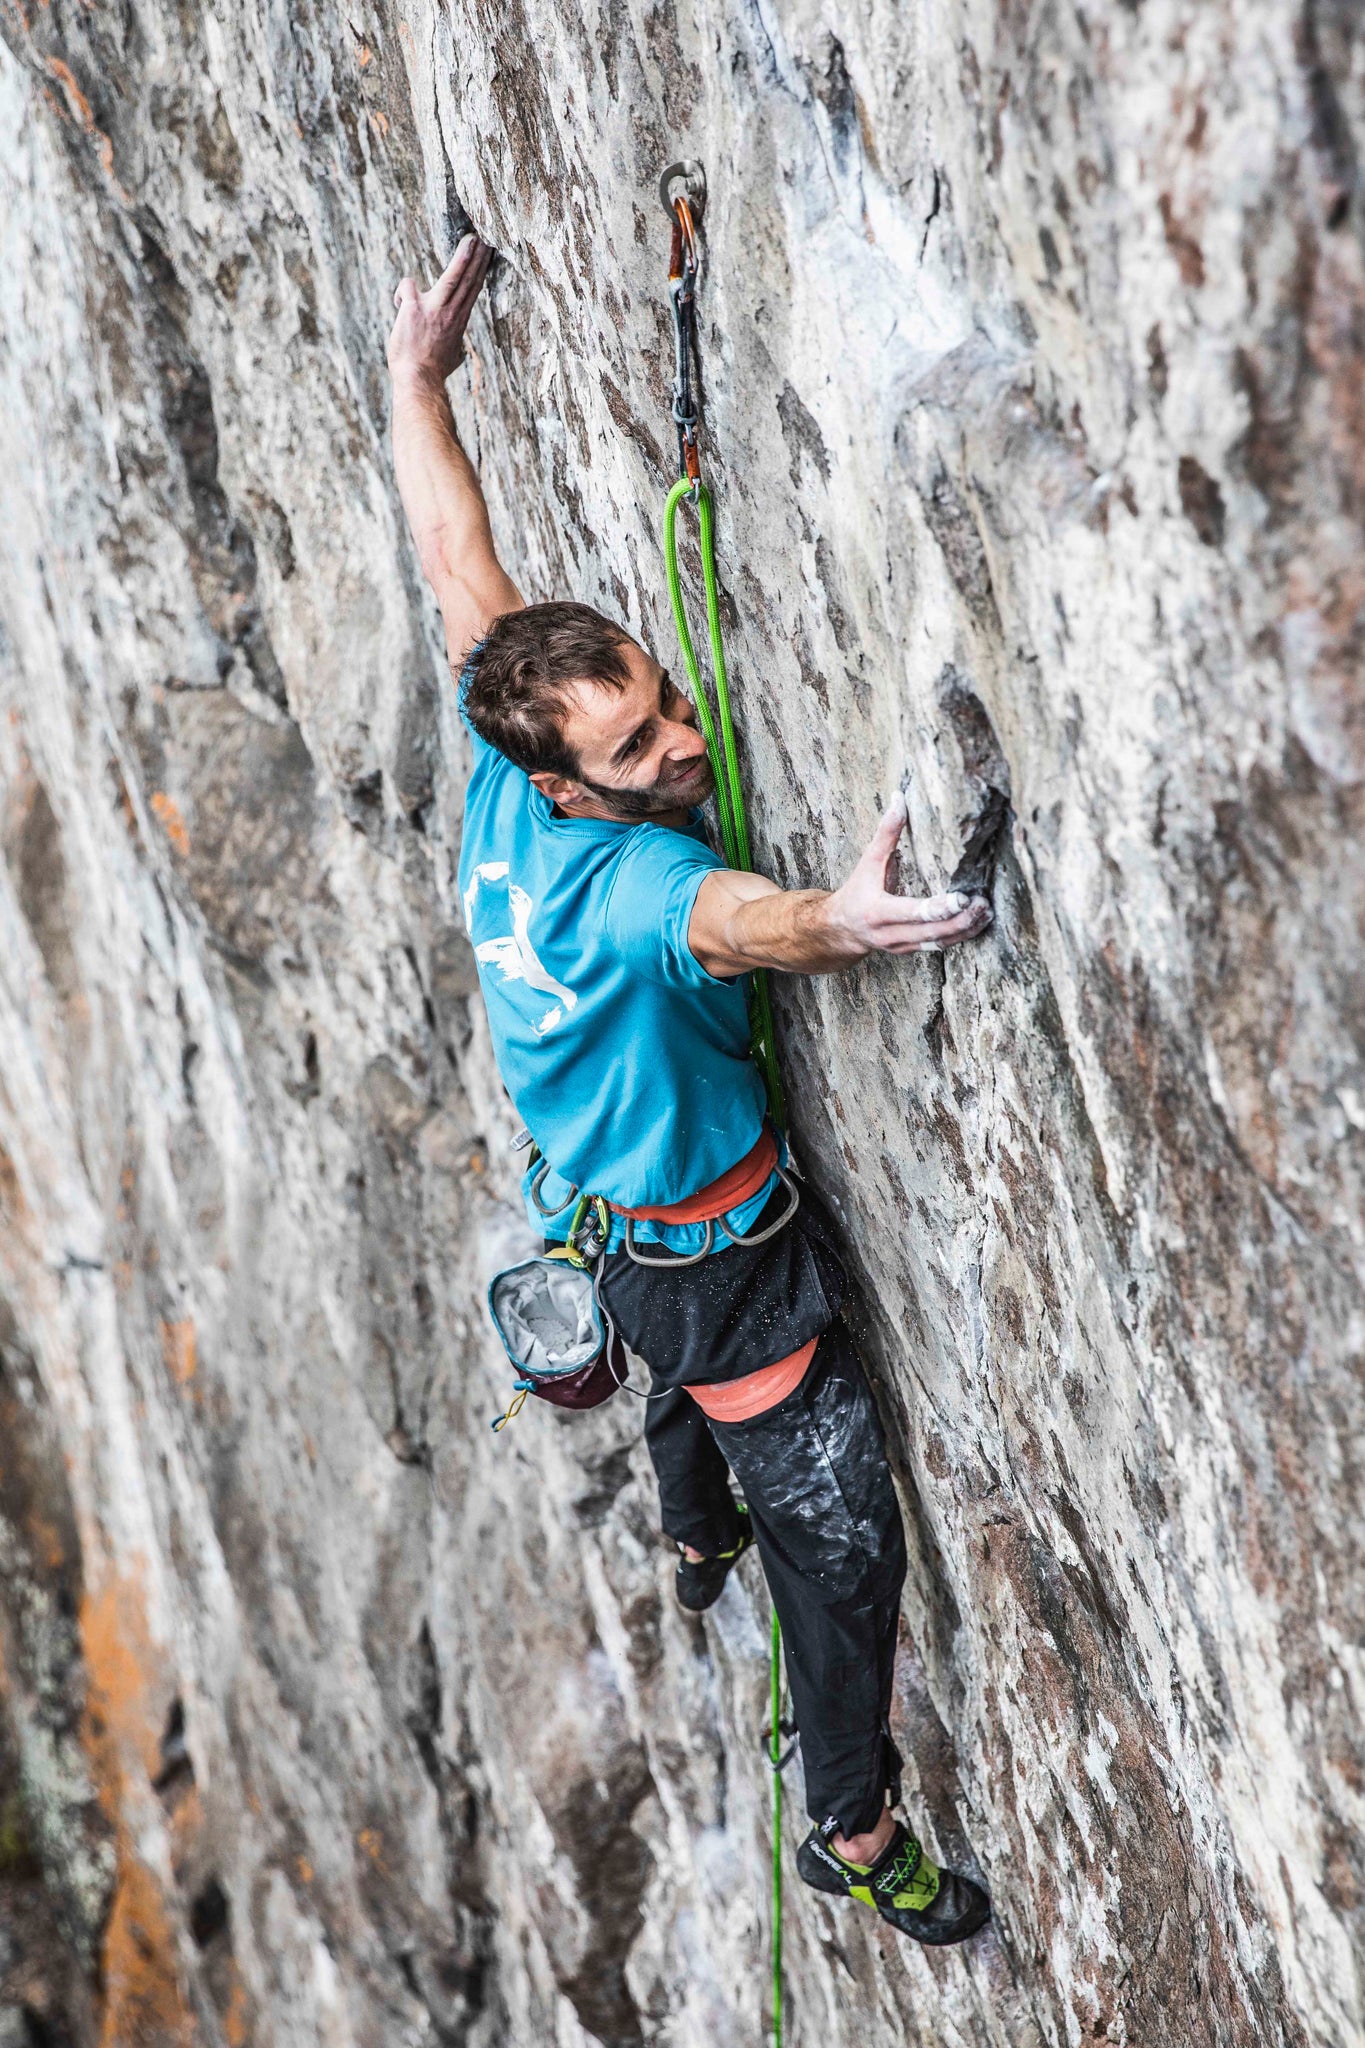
x,y
930,1905
699,1584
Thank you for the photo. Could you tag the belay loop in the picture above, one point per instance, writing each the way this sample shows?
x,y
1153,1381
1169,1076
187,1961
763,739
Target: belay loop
x,y
719,732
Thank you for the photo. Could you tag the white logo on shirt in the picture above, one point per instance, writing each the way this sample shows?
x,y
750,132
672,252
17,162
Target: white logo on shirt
x,y
514,955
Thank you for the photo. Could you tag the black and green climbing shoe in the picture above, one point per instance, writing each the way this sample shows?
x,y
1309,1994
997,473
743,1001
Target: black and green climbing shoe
x,y
930,1905
699,1585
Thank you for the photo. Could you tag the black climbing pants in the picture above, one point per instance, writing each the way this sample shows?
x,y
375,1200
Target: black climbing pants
x,y
813,1472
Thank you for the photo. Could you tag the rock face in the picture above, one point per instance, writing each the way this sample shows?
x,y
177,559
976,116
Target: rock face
x,y
1033,347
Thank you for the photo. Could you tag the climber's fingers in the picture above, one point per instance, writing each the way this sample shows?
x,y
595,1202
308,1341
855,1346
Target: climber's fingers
x,y
465,250
899,932
405,292
470,283
457,287
882,844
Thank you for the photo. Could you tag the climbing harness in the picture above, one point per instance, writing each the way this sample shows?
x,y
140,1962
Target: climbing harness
x,y
677,1259
684,206
548,1310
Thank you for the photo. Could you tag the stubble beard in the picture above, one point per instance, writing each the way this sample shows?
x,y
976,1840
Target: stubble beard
x,y
674,793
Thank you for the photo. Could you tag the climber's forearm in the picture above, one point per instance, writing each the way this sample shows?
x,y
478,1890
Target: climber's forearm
x,y
742,921
446,512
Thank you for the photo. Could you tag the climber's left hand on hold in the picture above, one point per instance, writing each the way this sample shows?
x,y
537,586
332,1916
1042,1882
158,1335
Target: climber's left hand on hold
x,y
427,339
876,921
742,921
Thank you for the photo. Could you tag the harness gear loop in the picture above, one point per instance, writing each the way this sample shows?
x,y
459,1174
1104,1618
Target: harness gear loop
x,y
537,1181
675,1258
762,1236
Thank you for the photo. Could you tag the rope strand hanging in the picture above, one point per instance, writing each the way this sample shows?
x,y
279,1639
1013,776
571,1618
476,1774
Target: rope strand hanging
x,y
718,730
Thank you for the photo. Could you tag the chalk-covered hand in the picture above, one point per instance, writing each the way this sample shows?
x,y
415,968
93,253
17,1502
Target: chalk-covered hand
x,y
741,921
873,920
427,341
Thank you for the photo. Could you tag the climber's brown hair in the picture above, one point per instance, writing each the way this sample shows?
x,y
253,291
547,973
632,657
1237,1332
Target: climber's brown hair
x,y
516,679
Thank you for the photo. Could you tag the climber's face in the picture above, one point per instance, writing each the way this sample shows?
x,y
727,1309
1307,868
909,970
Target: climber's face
x,y
638,749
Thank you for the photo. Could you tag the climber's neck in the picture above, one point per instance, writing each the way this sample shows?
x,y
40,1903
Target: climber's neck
x,y
594,807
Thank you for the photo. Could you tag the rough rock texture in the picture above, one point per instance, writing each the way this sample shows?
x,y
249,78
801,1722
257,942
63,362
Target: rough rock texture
x,y
1034,339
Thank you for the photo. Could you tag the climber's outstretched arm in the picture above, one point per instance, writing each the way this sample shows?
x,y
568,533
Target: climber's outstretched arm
x,y
742,921
436,480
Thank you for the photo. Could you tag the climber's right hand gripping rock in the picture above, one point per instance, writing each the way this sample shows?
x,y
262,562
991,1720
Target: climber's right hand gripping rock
x,y
427,339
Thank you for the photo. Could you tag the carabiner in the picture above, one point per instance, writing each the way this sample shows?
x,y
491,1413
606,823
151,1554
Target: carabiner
x,y
590,1231
694,178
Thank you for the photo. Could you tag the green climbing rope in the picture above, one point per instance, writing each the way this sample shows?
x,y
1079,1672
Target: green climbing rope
x,y
719,732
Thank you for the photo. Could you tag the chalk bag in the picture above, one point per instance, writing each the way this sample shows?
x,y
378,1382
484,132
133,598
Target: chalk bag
x,y
555,1331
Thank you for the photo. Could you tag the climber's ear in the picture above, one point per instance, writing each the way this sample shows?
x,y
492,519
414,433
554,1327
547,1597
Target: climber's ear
x,y
560,789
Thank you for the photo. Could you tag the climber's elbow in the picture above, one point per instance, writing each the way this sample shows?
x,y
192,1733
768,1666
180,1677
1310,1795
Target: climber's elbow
x,y
472,589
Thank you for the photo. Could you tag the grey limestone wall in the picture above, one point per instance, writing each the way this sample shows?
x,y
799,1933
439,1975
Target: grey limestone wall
x,y
1033,340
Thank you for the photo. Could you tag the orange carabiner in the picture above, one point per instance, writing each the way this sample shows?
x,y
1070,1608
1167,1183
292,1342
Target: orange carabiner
x,y
686,231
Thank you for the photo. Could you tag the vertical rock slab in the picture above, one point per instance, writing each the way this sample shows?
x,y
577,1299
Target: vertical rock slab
x,y
1032,359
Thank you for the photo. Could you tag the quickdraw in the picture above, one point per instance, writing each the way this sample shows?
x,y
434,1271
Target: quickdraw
x,y
684,209
684,267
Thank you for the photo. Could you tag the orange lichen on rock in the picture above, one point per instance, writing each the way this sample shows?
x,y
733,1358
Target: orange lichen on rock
x,y
125,1680
180,1350
66,78
168,811
235,2022
79,105
142,1998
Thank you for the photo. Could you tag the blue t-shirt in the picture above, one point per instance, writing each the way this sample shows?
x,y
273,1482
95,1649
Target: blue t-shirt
x,y
627,1061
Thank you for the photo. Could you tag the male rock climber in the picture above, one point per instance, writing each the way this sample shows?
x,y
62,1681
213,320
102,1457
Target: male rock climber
x,y
614,948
